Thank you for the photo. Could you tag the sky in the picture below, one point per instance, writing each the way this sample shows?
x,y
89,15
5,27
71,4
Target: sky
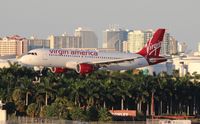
x,y
41,18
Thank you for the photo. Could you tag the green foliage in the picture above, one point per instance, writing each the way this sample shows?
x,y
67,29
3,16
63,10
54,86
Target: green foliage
x,y
104,115
59,109
92,113
32,110
78,97
17,95
43,112
10,107
51,111
20,106
78,114
140,117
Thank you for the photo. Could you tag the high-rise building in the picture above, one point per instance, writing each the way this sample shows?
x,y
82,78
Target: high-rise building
x,y
173,46
198,52
34,43
14,45
88,38
199,47
65,41
148,34
113,38
168,46
165,47
136,40
182,46
125,46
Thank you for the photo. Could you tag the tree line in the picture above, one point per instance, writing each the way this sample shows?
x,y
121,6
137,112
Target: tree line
x,y
89,97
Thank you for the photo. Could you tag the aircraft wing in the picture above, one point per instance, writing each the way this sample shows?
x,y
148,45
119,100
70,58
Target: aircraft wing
x,y
107,62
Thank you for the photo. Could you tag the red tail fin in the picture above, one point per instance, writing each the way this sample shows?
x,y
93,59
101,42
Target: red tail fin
x,y
152,47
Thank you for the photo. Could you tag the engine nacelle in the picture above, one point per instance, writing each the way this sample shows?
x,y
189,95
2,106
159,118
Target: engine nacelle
x,y
85,68
58,70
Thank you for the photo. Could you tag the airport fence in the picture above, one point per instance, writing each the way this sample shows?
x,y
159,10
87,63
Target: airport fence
x,y
28,120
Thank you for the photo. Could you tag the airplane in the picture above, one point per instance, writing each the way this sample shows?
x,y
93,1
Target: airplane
x,y
87,61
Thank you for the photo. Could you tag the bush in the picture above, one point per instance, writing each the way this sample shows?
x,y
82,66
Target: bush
x,y
52,111
78,114
104,115
32,110
58,109
92,114
10,107
43,112
140,116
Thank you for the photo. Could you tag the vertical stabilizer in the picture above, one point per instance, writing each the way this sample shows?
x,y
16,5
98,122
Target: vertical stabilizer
x,y
151,50
152,47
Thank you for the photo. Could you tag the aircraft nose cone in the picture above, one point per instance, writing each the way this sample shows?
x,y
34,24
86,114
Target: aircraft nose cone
x,y
21,60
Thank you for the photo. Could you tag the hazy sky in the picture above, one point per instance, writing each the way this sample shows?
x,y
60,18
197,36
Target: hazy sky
x,y
41,18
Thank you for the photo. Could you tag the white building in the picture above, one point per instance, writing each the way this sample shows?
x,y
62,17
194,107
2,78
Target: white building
x,y
187,64
165,45
158,68
173,45
125,46
182,46
148,34
88,38
136,40
198,52
199,47
183,64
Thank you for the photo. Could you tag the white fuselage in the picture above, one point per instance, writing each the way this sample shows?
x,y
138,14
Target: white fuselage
x,y
69,58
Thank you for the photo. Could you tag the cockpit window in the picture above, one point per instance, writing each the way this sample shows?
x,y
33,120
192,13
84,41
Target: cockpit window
x,y
32,53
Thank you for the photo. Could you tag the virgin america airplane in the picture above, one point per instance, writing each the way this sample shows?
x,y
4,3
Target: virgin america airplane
x,y
87,61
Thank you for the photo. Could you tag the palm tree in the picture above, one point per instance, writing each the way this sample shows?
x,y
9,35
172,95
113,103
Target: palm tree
x,y
47,88
26,86
120,87
92,91
140,93
9,81
106,92
76,91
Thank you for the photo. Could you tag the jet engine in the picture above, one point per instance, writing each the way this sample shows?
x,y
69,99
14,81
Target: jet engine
x,y
58,70
85,68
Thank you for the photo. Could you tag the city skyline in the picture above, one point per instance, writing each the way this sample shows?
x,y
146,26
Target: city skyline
x,y
115,39
43,18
